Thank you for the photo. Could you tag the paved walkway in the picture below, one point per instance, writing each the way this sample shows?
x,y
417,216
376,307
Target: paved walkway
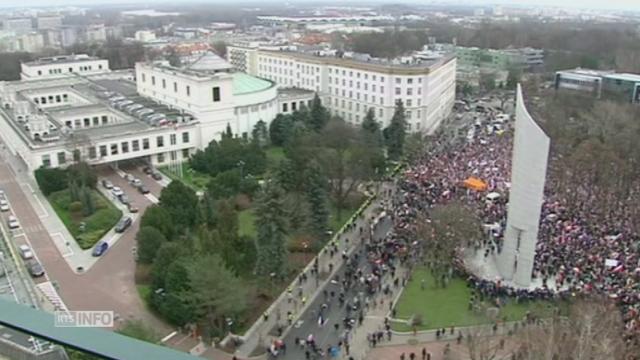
x,y
303,293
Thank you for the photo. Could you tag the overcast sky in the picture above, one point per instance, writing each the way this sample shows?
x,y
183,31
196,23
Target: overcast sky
x,y
610,4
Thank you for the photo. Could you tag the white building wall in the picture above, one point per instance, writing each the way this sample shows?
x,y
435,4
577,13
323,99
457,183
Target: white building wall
x,y
41,71
349,92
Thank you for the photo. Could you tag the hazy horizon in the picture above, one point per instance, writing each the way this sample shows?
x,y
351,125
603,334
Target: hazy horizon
x,y
631,5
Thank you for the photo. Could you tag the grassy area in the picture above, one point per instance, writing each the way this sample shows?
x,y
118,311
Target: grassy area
x,y
275,154
196,180
105,217
144,291
245,223
444,307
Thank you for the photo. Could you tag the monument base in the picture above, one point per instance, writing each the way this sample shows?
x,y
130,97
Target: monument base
x,y
486,268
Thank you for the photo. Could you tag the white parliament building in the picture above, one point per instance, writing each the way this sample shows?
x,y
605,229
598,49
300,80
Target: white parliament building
x,y
74,107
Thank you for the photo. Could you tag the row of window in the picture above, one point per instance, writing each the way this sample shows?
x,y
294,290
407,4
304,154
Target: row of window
x,y
215,91
80,68
295,105
134,145
87,122
51,99
350,117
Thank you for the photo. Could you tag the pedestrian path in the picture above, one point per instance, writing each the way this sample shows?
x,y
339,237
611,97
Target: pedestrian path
x,y
50,292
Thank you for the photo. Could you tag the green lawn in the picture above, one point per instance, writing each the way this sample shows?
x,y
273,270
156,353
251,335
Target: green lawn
x,y
444,307
105,217
274,155
197,181
245,223
336,223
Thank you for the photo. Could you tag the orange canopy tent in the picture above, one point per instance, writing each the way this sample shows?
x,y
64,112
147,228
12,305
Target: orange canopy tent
x,y
475,184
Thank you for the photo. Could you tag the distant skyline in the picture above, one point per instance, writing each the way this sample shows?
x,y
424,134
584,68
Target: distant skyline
x,y
632,5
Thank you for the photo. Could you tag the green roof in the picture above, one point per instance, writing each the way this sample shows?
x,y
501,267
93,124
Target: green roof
x,y
244,84
101,342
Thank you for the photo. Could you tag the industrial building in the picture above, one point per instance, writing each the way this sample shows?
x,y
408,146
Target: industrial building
x,y
605,84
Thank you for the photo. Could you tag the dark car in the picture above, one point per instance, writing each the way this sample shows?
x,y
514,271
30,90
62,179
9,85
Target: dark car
x,y
107,184
156,175
147,170
100,248
123,224
124,199
143,189
35,269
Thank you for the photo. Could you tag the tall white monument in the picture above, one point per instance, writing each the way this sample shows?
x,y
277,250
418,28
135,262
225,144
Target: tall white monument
x,y
528,174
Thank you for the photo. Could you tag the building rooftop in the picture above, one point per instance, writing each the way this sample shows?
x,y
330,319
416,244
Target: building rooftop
x,y
244,84
65,59
209,62
624,77
293,92
586,72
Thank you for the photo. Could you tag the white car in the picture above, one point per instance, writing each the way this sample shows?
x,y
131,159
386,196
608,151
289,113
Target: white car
x,y
116,191
13,222
25,252
4,205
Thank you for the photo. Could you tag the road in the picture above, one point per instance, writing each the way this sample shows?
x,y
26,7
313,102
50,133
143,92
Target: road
x,y
109,284
326,335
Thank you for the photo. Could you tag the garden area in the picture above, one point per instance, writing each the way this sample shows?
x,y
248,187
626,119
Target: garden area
x,y
253,212
437,307
86,228
72,193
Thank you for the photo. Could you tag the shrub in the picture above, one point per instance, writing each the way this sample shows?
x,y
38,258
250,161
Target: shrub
x,y
75,207
51,180
242,202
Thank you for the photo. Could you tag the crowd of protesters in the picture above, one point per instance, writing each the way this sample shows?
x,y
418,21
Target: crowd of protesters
x,y
582,249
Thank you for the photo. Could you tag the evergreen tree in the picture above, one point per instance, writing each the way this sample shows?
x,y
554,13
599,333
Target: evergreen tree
x,y
272,229
74,191
319,114
316,194
88,206
260,134
371,127
395,132
228,134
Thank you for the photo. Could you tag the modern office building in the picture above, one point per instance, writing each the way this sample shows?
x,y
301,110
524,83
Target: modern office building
x,y
604,84
352,83
164,116
62,66
29,42
500,60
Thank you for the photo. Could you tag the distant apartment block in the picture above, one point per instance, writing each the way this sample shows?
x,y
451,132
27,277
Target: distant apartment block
x,y
48,22
350,86
18,26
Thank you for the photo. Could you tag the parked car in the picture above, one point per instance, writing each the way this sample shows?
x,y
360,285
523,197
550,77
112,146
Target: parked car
x,y
156,175
116,191
143,189
128,177
123,224
35,269
4,205
132,208
124,199
25,252
147,170
136,182
107,184
100,248
13,222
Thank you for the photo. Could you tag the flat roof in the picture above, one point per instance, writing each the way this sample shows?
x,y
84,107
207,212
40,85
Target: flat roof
x,y
294,92
61,60
624,77
95,341
244,84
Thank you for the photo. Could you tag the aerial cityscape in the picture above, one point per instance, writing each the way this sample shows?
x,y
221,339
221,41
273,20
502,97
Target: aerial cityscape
x,y
379,180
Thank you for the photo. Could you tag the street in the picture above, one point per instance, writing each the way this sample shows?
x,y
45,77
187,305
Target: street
x,y
326,336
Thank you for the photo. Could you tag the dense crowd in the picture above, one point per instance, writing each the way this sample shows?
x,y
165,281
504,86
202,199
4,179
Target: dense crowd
x,y
582,249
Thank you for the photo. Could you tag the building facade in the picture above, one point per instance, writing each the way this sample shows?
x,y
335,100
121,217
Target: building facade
x,y
62,66
609,85
18,26
349,87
